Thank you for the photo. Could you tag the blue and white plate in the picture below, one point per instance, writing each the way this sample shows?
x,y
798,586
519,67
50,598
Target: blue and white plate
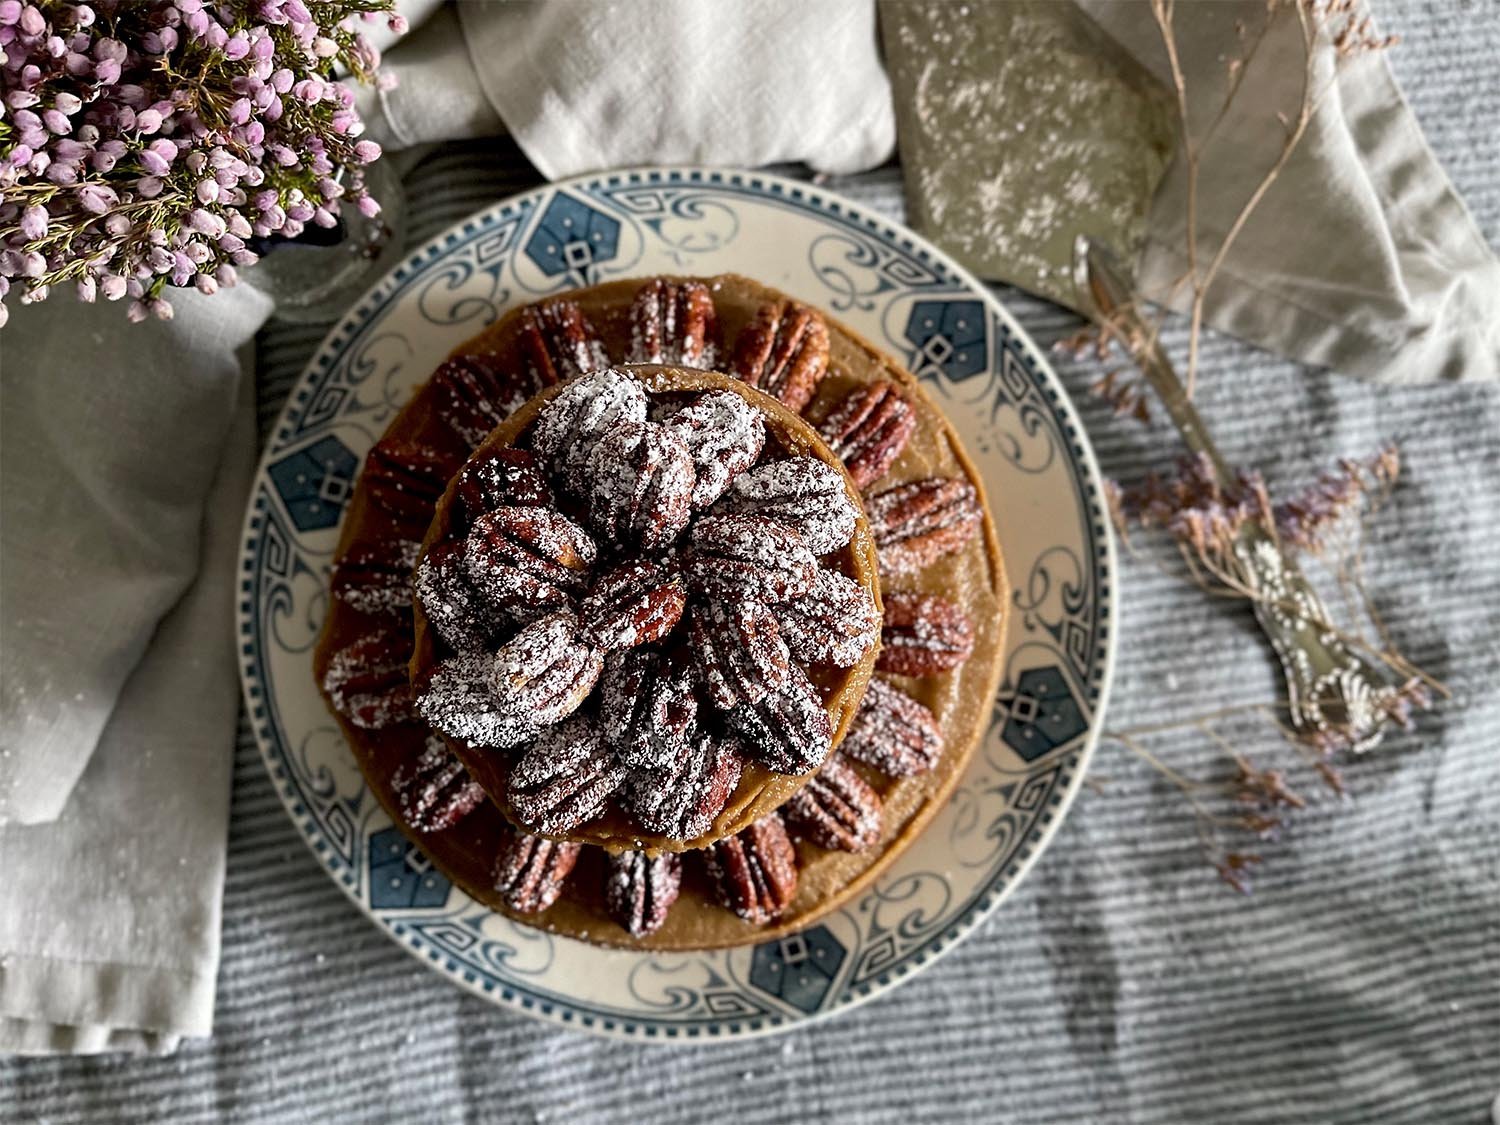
x,y
888,285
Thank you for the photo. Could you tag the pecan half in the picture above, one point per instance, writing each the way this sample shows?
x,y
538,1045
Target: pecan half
x,y
473,397
366,681
673,322
648,711
641,889
557,343
530,872
837,809
755,873
783,352
835,624
680,798
869,428
457,701
505,478
923,635
918,523
449,600
407,480
725,435
636,603
375,577
565,778
788,730
640,491
433,790
748,558
529,561
545,671
802,493
893,732
737,651
579,415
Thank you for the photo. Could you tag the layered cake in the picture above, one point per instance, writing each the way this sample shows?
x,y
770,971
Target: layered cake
x,y
665,614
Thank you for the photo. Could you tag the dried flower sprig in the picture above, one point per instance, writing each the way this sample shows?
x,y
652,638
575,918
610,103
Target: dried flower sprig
x,y
145,143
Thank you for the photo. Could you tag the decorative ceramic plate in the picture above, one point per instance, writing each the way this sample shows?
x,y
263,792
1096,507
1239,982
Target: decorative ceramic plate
x,y
888,285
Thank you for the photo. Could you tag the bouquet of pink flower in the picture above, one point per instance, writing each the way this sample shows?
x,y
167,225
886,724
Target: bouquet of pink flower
x,y
148,143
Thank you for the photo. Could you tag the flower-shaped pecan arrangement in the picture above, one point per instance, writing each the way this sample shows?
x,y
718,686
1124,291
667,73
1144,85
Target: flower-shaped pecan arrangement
x,y
627,601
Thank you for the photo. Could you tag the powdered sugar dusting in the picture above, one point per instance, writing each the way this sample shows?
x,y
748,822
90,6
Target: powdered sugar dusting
x,y
802,493
724,434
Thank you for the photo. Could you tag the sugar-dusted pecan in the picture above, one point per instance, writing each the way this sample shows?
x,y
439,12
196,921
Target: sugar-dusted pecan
x,y
923,635
919,522
579,415
788,730
640,889
407,479
557,343
680,797
647,710
375,576
564,778
530,872
673,322
433,790
755,873
473,395
802,493
449,600
893,733
636,603
869,428
366,681
504,478
834,624
748,558
837,809
783,352
725,435
529,561
640,485
545,671
456,699
737,651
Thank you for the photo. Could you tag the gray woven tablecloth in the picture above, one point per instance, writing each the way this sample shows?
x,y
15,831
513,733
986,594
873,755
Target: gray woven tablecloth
x,y
1361,983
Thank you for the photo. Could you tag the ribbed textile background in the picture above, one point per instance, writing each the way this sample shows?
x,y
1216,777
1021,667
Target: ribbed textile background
x,y
1361,983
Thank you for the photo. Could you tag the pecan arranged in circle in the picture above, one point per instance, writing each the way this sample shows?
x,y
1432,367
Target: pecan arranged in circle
x,y
636,603
783,352
366,681
449,600
530,872
648,711
406,479
545,671
802,493
834,624
529,561
893,733
579,415
923,635
837,809
673,322
640,490
754,873
457,701
725,435
473,398
505,478
749,558
738,651
681,797
564,778
868,429
433,790
375,576
558,343
787,731
917,523
640,889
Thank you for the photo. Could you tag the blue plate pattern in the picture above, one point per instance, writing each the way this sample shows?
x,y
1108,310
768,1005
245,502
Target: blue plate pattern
x,y
895,289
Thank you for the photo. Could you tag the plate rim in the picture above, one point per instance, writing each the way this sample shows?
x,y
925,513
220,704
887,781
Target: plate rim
x,y
1039,837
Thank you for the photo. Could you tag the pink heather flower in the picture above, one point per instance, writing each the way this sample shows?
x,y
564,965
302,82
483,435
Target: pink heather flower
x,y
205,284
148,187
226,276
398,24
10,12
34,221
154,162
83,15
237,47
67,104
30,21
324,47
97,198
136,312
86,289
367,152
368,206
107,72
207,191
113,287
148,121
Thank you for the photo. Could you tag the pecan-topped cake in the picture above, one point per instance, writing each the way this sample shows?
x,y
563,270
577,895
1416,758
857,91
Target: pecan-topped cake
x,y
665,614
